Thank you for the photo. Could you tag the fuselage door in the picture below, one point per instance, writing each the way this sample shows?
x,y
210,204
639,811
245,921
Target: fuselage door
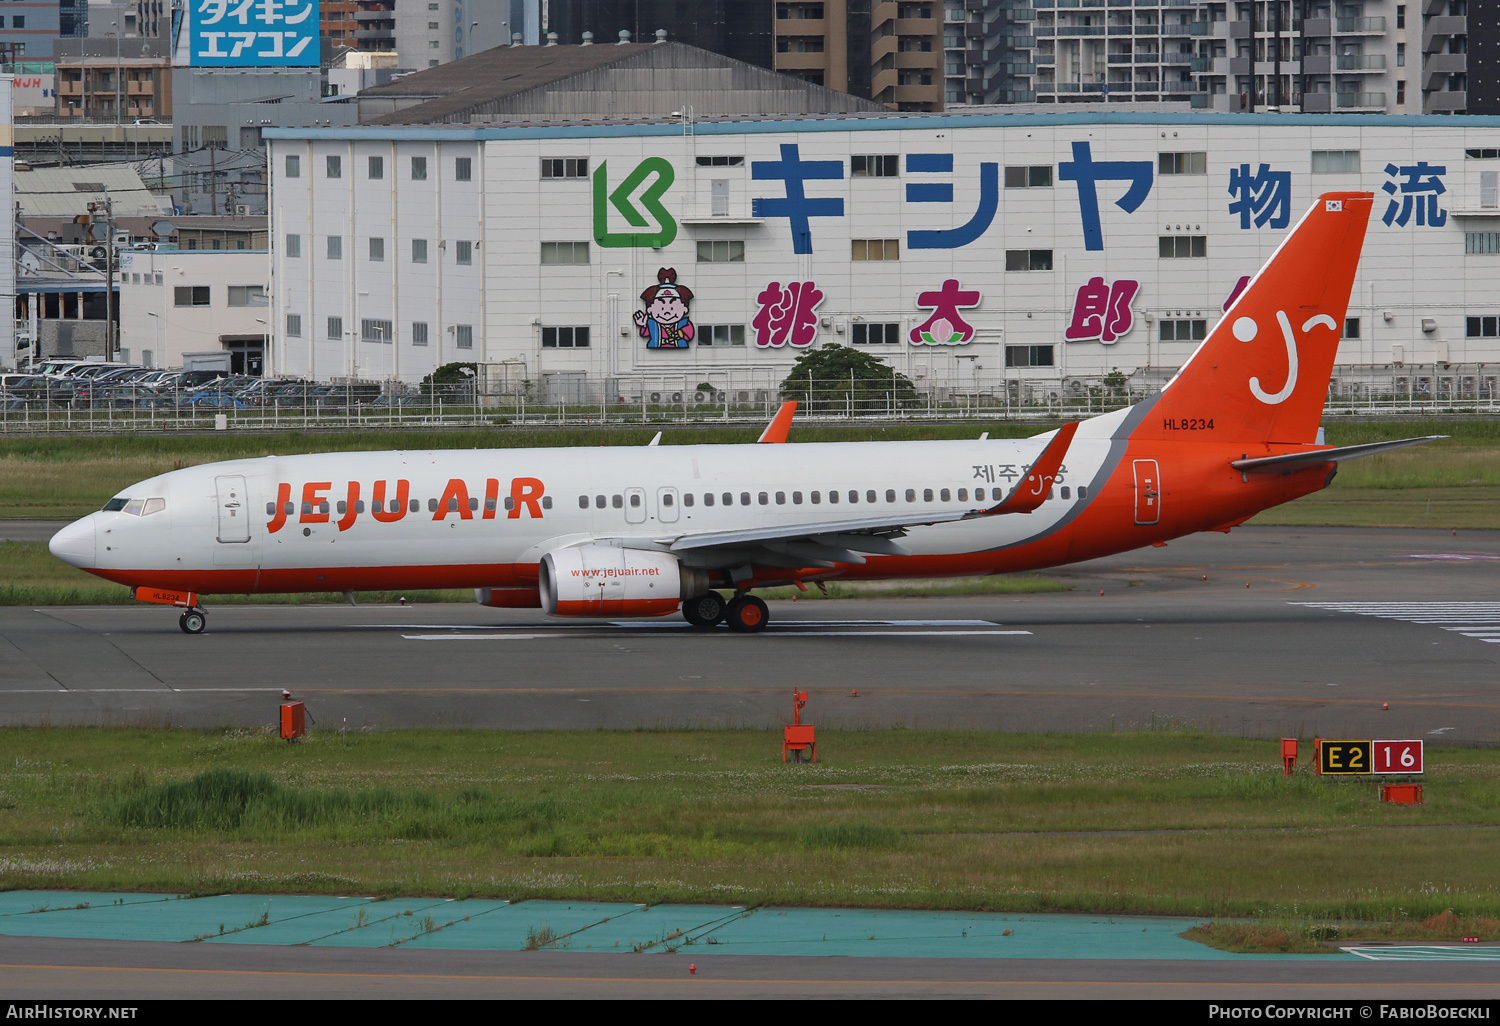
x,y
234,510
666,505
1147,492
635,505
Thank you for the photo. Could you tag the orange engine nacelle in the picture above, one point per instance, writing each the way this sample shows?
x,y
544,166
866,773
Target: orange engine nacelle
x,y
606,580
509,598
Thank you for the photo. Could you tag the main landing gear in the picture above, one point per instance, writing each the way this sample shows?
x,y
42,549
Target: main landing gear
x,y
744,613
193,620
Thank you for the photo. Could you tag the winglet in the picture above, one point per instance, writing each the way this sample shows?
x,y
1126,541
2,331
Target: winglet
x,y
1032,490
780,425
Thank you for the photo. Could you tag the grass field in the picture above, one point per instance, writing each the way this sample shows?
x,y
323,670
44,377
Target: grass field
x,y
1148,823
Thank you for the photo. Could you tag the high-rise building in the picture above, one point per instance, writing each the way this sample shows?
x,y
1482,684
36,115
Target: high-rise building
x,y
895,53
735,28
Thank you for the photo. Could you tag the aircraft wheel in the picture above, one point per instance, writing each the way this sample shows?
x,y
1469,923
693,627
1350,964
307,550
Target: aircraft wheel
x,y
704,610
193,621
748,614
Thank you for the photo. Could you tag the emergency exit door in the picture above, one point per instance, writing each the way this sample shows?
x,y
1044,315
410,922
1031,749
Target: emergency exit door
x,y
1147,492
234,513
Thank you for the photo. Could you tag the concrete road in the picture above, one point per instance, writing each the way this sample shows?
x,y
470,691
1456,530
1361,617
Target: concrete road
x,y
1265,632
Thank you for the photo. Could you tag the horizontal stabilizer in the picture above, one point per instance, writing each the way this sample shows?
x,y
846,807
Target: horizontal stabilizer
x,y
1316,457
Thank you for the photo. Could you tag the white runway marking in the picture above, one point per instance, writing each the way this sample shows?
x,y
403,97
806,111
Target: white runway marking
x,y
1478,620
671,625
477,637
774,631
1426,953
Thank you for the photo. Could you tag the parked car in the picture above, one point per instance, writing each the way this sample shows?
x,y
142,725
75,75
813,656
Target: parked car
x,y
216,399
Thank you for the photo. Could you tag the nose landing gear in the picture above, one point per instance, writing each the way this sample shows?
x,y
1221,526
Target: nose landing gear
x,y
193,621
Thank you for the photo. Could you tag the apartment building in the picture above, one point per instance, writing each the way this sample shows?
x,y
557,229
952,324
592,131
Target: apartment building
x,y
895,53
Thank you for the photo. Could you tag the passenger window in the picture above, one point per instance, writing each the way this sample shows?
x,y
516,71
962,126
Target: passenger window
x,y
395,505
453,504
291,508
781,498
473,503
911,495
744,498
945,495
666,499
598,502
510,503
853,495
416,505
617,501
1083,492
708,498
306,507
796,498
763,498
546,502
341,507
687,498
431,505
1065,494
979,495
489,503
323,507
963,495
817,497
870,495
635,501
359,505
154,506
833,496
583,502
890,495
926,494
728,498
270,508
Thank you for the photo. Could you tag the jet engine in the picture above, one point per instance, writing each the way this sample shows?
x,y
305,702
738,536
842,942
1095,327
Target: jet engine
x,y
606,580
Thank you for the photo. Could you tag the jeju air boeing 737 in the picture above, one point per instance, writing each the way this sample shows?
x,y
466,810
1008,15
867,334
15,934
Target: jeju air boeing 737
x,y
644,531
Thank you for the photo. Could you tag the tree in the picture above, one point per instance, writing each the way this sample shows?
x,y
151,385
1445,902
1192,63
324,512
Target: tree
x,y
836,379
450,373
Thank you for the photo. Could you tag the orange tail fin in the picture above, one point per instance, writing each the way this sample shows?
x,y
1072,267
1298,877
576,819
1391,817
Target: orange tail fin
x,y
1262,373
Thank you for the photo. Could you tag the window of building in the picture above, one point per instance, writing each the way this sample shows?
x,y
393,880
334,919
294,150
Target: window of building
x,y
914,44
1401,16
874,165
1182,163
800,11
1483,243
191,295
1028,260
721,161
721,335
1182,246
875,249
731,251
1482,327
1028,356
336,328
1400,55
419,251
419,169
914,10
880,334
1400,92
463,169
799,44
293,166
565,167
419,333
218,135
1184,331
913,76
1034,176
1335,162
463,252
293,325
463,335
376,331
565,338
565,252
247,295
377,249
293,246
335,165
1482,154
377,168
1351,327
335,247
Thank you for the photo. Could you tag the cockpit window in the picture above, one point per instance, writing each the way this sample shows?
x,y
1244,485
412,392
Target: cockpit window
x,y
134,506
154,506
114,505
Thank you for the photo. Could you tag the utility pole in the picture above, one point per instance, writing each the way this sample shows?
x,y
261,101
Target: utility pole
x,y
108,209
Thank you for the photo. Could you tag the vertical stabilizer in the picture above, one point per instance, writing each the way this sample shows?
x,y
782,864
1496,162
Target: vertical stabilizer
x,y
1262,373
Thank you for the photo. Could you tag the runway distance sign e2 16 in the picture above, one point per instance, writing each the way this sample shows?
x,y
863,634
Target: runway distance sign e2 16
x,y
1364,758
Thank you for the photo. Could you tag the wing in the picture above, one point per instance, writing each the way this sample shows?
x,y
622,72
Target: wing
x,y
1288,462
827,542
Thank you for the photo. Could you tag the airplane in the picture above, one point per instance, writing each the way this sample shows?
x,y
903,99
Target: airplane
x,y
651,530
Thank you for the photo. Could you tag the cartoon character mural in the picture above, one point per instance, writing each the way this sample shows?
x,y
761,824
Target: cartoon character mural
x,y
665,324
